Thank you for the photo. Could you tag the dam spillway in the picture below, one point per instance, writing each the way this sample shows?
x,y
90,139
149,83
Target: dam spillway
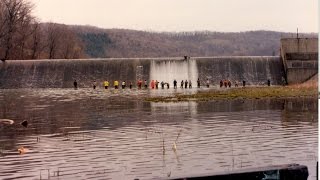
x,y
255,70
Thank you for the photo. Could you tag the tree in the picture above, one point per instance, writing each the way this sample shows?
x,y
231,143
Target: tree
x,y
54,33
15,16
62,42
36,42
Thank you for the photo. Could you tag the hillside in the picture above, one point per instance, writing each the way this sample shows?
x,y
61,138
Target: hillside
x,y
131,43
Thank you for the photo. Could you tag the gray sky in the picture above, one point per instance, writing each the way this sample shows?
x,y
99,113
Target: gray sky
x,y
184,15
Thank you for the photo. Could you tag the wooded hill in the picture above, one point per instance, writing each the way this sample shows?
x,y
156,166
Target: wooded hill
x,y
131,43
22,36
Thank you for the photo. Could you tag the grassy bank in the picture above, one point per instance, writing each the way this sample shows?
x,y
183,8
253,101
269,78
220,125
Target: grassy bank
x,y
247,93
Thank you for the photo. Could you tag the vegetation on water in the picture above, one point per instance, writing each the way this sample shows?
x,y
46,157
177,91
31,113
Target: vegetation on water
x,y
247,93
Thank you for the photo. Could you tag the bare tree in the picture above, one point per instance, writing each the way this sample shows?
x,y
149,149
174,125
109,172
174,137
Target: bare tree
x,y
71,46
36,43
62,42
54,33
15,15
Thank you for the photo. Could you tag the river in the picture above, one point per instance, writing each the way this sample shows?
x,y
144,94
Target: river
x,y
114,134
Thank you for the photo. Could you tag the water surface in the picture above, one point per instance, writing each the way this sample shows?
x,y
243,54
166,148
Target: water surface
x,y
114,134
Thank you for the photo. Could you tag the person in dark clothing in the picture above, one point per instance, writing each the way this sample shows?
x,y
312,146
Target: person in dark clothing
x,y
145,84
94,84
198,82
162,84
243,83
186,84
75,84
221,83
225,82
229,83
268,82
175,84
182,84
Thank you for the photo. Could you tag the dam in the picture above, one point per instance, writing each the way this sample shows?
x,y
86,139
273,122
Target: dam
x,y
255,70
300,58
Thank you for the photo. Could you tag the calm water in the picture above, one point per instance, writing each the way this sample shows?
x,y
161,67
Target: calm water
x,y
109,134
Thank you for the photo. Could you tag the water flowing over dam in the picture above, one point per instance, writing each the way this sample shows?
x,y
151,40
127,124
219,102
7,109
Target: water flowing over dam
x,y
255,70
170,70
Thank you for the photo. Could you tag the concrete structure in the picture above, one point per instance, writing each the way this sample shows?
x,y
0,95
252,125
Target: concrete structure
x,y
255,70
281,172
300,58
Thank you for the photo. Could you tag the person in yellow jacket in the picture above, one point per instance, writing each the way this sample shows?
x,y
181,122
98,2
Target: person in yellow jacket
x,y
106,84
116,84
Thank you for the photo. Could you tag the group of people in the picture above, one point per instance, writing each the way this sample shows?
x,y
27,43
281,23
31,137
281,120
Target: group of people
x,y
227,83
154,84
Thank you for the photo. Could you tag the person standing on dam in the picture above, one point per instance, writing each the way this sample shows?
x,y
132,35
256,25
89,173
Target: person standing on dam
x,y
198,82
94,84
157,84
75,84
175,84
236,83
139,84
190,84
243,83
162,85
229,83
106,84
123,84
225,82
268,82
208,82
130,85
186,84
116,84
145,84
182,83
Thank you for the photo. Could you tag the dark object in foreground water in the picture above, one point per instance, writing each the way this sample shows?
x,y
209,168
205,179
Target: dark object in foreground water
x,y
24,123
281,172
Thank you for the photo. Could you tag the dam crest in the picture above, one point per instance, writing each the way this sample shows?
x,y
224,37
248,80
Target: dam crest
x,y
60,73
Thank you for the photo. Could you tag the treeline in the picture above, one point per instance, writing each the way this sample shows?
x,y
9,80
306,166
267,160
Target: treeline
x,y
131,43
22,36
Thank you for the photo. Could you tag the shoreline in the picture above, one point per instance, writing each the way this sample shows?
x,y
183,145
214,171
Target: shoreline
x,y
292,91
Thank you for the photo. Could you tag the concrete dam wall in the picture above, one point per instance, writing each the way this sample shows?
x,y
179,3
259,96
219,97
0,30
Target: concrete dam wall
x,y
300,58
62,73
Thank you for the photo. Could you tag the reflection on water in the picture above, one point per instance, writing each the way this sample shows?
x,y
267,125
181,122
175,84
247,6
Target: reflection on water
x,y
114,134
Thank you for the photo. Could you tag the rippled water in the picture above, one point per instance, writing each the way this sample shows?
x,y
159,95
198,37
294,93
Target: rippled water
x,y
109,134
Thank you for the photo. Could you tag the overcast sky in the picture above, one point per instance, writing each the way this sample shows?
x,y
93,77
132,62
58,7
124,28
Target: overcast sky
x,y
184,15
